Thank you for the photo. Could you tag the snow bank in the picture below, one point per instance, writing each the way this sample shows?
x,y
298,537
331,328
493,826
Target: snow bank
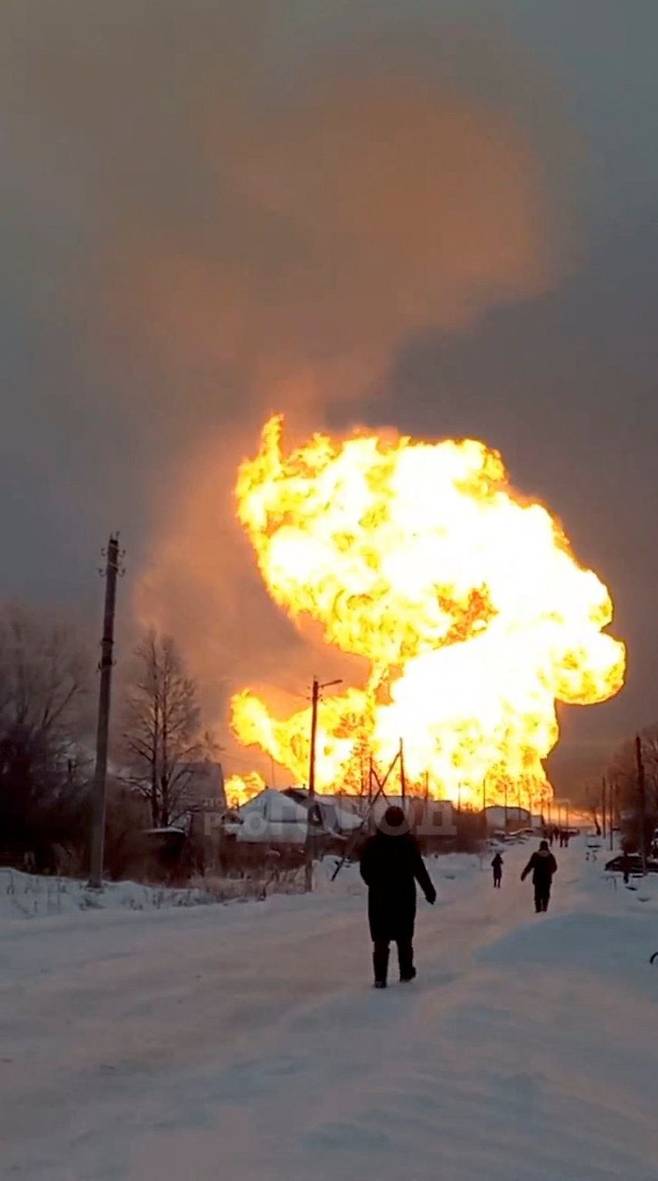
x,y
27,896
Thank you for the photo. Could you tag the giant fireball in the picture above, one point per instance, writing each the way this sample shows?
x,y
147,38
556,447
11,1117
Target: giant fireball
x,y
463,596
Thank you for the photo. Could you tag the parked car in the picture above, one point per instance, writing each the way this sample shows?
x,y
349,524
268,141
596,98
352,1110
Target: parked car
x,y
632,862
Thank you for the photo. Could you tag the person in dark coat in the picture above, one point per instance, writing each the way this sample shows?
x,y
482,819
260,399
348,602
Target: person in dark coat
x,y
391,865
542,865
626,866
497,866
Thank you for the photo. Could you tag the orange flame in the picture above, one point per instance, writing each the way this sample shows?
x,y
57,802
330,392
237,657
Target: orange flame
x,y
239,789
465,599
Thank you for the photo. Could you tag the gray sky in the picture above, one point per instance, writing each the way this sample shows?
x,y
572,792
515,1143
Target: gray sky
x,y
441,218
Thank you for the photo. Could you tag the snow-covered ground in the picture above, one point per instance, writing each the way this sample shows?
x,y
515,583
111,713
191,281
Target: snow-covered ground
x,y
245,1042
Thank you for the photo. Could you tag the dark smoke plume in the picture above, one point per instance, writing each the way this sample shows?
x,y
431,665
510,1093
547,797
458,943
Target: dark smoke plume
x,y
249,208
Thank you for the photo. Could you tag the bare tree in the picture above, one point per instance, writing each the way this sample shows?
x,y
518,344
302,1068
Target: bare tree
x,y
43,762
42,672
592,799
623,773
623,768
162,728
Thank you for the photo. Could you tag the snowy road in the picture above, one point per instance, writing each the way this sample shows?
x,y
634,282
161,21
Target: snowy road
x,y
245,1042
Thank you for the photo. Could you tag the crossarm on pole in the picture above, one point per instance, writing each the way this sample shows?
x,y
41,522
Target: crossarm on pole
x,y
381,784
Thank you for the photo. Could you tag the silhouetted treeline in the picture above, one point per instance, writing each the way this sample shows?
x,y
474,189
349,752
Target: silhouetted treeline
x,y
44,760
47,733
634,809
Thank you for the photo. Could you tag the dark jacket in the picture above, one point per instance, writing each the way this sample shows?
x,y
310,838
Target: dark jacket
x,y
390,866
497,863
542,865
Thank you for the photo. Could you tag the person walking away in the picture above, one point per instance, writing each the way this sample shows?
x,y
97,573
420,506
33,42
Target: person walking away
x,y
543,866
626,866
391,865
497,866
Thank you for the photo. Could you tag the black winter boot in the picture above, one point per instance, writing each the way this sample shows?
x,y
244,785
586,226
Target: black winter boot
x,y
406,962
380,964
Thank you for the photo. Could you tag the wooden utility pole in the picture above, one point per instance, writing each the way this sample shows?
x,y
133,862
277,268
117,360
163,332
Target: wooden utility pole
x,y
612,804
315,696
603,809
403,782
308,849
642,801
104,696
308,858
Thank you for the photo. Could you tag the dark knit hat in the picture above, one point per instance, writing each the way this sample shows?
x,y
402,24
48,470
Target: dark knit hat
x,y
394,822
394,817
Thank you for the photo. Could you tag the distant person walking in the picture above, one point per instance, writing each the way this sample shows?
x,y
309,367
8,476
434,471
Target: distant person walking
x,y
626,866
391,865
497,866
542,865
